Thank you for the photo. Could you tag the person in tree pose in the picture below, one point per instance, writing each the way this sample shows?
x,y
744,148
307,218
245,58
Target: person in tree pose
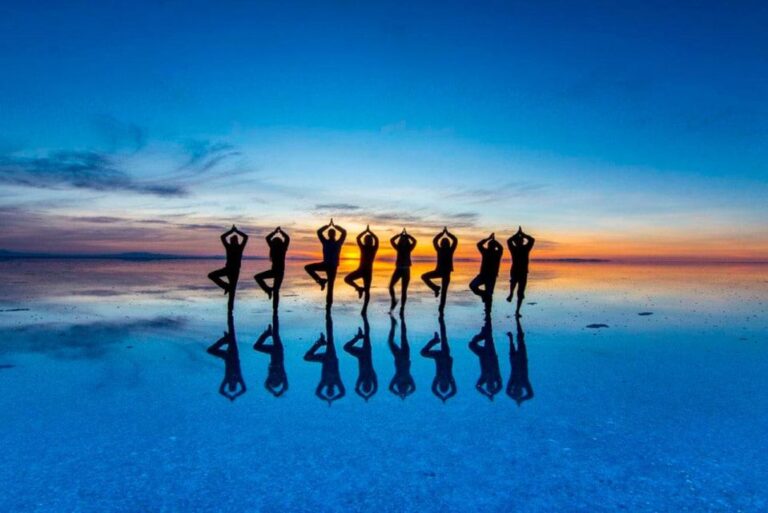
x,y
403,243
367,383
485,282
402,384
233,385
443,386
368,243
445,245
330,388
520,246
277,380
234,242
278,242
330,264
519,386
489,383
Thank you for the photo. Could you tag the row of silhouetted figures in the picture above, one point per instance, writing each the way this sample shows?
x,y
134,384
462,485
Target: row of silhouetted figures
x,y
331,387
332,238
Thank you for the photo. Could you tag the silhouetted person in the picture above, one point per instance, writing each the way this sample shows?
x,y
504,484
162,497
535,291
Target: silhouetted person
x,y
330,263
520,246
232,386
278,242
277,380
367,382
402,384
443,386
403,244
368,243
485,282
519,386
489,383
445,244
234,247
330,387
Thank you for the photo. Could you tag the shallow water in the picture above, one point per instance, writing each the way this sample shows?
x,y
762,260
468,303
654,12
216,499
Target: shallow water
x,y
110,401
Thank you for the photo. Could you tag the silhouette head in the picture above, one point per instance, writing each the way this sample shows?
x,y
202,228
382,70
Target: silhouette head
x,y
445,243
332,234
234,240
368,240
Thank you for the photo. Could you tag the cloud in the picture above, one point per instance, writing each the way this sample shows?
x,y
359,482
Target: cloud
x,y
504,192
337,206
119,134
79,170
205,155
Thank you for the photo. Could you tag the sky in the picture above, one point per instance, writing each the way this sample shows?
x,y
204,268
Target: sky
x,y
624,130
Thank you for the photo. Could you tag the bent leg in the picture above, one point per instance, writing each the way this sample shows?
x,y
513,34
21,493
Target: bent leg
x,y
216,277
427,279
313,269
474,285
261,281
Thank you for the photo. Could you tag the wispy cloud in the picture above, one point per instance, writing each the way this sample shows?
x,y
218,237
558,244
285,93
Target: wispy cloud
x,y
337,206
501,193
205,155
80,170
120,134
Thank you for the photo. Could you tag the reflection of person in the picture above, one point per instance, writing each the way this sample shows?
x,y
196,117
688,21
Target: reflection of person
x,y
368,243
519,386
402,384
445,245
367,383
520,246
234,247
330,387
278,242
403,244
331,255
277,380
443,386
232,386
490,251
489,382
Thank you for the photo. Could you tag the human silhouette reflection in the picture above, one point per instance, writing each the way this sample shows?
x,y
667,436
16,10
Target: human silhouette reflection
x,y
484,283
519,386
445,245
278,242
277,380
330,387
367,383
330,264
520,246
402,384
368,243
403,243
443,386
232,386
234,242
489,383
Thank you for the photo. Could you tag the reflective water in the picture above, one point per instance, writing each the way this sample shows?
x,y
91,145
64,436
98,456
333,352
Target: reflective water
x,y
123,387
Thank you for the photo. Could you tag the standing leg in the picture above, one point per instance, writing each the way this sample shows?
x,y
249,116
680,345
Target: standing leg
x,y
232,290
444,292
331,273
512,284
392,282
404,289
276,284
367,278
522,283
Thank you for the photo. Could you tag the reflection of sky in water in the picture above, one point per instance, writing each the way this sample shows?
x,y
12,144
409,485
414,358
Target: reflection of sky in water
x,y
111,402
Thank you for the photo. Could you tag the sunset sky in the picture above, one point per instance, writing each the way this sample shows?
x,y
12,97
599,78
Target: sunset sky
x,y
633,130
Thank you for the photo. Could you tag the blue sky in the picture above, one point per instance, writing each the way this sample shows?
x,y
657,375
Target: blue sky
x,y
591,122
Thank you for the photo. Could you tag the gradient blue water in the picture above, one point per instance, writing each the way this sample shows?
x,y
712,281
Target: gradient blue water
x,y
110,402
